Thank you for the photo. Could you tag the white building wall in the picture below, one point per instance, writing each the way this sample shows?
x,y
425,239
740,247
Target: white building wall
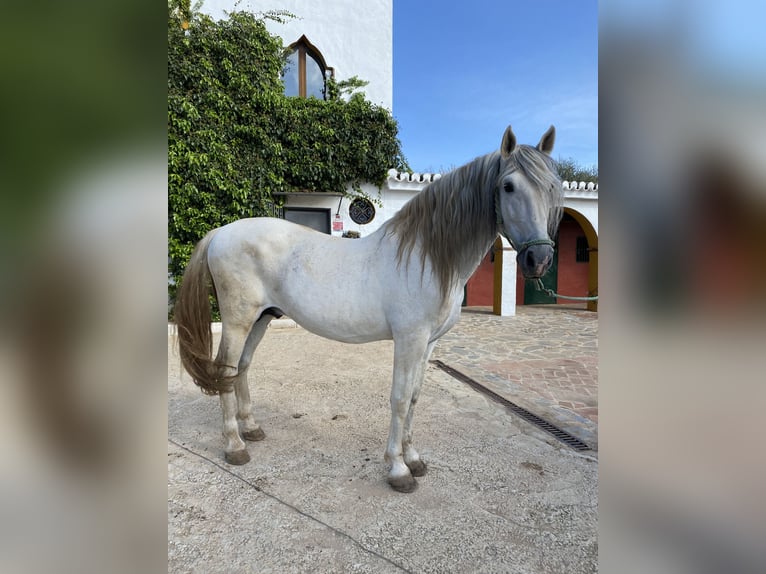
x,y
387,202
355,38
583,198
400,187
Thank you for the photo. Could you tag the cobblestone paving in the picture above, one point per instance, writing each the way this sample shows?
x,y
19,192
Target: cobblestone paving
x,y
544,359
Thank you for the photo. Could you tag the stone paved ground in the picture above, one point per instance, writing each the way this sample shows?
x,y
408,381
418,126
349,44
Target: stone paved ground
x,y
544,359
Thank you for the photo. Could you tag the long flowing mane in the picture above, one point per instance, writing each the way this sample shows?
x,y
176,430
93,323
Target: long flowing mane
x,y
453,220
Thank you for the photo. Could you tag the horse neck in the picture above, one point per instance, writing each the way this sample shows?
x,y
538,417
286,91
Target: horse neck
x,y
476,183
456,221
473,258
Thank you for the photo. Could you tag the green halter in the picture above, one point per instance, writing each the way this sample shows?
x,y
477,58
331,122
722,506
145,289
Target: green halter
x,y
526,244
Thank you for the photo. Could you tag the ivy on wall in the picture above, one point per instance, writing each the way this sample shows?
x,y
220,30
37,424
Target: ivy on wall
x,y
234,138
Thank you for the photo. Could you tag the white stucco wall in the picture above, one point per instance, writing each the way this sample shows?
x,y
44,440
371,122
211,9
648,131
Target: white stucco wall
x,y
391,201
583,198
400,187
355,38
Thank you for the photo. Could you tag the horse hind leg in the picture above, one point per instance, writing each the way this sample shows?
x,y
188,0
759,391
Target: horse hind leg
x,y
234,337
235,451
250,429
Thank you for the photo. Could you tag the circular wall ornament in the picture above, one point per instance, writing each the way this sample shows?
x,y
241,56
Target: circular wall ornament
x,y
361,210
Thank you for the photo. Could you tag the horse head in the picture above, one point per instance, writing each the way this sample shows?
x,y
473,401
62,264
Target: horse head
x,y
528,201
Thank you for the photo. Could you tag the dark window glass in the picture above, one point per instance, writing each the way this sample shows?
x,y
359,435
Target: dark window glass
x,y
581,250
318,219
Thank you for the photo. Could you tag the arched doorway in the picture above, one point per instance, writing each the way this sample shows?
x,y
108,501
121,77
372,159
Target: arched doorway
x,y
575,265
574,272
578,257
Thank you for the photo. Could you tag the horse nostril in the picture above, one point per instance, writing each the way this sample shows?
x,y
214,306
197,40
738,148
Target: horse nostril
x,y
530,259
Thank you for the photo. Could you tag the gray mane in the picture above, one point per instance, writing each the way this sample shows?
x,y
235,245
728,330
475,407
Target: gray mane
x,y
453,220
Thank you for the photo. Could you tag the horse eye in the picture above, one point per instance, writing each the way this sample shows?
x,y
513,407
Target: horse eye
x,y
508,186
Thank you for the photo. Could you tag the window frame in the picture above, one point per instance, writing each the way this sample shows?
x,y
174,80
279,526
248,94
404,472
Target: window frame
x,y
304,47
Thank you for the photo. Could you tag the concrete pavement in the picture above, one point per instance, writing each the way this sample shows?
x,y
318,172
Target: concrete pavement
x,y
501,495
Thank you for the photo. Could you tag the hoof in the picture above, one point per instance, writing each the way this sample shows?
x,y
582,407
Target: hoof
x,y
417,468
237,457
254,435
403,483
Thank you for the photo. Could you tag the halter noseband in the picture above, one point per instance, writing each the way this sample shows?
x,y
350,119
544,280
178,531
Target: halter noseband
x,y
526,244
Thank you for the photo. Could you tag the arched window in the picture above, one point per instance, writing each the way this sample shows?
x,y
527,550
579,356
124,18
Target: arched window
x,y
305,74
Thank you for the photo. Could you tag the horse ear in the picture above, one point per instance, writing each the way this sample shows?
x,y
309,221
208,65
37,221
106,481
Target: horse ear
x,y
508,143
546,142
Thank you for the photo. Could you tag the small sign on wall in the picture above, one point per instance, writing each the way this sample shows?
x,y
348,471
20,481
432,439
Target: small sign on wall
x,y
337,224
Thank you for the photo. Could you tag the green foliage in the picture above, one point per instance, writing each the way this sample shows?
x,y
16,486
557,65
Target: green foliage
x,y
234,138
570,170
336,89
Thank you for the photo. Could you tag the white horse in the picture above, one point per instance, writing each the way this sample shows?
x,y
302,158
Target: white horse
x,y
403,282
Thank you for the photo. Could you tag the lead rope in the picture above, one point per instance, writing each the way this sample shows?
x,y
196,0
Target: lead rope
x,y
551,293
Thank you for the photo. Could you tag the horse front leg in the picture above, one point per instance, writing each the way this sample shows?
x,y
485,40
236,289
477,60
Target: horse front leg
x,y
409,353
411,457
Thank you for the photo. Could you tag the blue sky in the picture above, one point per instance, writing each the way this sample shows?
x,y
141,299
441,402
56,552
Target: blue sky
x,y
463,71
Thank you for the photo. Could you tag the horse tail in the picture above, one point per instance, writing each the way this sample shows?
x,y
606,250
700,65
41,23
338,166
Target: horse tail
x,y
192,317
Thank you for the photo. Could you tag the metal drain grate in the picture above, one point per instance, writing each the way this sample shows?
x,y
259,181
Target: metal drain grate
x,y
530,417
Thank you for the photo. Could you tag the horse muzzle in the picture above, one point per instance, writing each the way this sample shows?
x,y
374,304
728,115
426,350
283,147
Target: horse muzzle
x,y
535,260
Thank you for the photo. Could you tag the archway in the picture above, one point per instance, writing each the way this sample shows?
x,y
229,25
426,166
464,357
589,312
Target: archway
x,y
591,254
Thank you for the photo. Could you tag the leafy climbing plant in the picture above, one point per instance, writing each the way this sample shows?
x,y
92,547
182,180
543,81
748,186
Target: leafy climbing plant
x,y
234,138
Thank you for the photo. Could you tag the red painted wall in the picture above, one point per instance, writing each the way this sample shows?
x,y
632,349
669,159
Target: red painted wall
x,y
479,288
573,275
